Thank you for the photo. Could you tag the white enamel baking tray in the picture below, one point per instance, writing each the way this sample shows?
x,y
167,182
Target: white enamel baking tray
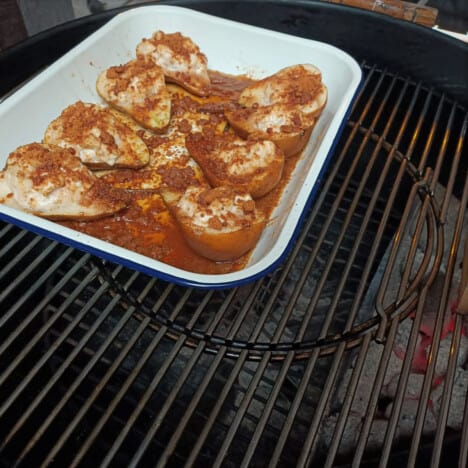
x,y
231,47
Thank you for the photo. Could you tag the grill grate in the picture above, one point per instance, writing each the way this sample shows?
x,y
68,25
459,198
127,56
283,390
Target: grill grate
x,y
100,364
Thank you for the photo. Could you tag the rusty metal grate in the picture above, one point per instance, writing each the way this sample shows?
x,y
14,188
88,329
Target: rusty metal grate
x,y
101,365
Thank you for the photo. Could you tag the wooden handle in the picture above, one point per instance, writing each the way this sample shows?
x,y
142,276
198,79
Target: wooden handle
x,y
414,13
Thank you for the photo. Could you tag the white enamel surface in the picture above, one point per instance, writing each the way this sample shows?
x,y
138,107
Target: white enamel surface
x,y
24,116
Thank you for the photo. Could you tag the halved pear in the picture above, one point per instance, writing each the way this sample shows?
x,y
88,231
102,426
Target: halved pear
x,y
252,165
137,88
97,137
51,182
221,223
283,107
180,59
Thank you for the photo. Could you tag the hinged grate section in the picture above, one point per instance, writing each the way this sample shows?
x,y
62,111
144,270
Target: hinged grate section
x,y
377,196
325,361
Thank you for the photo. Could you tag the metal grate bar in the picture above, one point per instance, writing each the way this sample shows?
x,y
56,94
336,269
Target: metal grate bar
x,y
386,449
442,307
171,446
428,377
178,386
404,221
391,200
105,380
118,398
200,390
235,371
401,390
153,385
169,402
295,405
34,371
455,244
242,358
28,293
20,329
446,396
216,409
412,290
352,208
240,413
26,272
268,409
9,245
214,413
456,163
110,454
98,355
371,407
326,392
242,410
370,209
418,128
151,388
443,151
350,395
4,231
77,349
403,380
318,415
431,135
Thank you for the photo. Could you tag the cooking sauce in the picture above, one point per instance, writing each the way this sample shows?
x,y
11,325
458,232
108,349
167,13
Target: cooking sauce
x,y
148,228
